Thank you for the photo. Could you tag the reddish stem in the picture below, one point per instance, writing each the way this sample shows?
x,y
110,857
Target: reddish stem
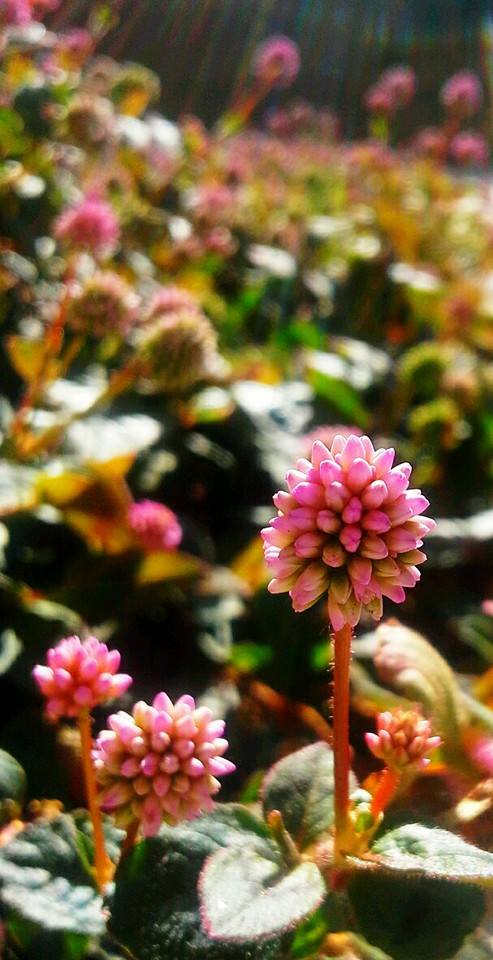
x,y
386,790
103,867
342,662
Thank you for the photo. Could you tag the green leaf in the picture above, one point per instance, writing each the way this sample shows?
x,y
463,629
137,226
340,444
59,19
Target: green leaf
x,y
301,787
249,897
155,908
43,880
12,778
415,919
428,851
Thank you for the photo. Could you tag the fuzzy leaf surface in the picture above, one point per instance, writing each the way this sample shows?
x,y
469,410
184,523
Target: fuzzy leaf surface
x,y
12,778
246,896
44,881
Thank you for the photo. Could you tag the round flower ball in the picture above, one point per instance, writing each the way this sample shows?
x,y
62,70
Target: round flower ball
x,y
78,676
277,62
179,350
161,763
104,304
91,224
462,93
348,526
403,740
155,526
469,149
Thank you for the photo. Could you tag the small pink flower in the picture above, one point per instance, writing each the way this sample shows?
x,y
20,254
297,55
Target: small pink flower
x,y
15,13
161,763
403,739
380,99
92,224
79,676
469,148
462,94
154,525
401,84
169,299
348,526
432,142
277,62
487,607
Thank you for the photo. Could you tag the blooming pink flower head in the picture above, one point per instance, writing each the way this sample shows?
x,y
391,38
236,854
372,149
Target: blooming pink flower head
x,y
92,224
161,763
403,739
327,434
462,94
277,62
15,13
401,84
349,526
79,676
154,525
432,142
380,99
469,148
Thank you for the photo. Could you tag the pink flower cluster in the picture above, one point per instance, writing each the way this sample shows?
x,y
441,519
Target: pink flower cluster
x,y
277,62
394,89
432,142
469,149
403,739
154,525
462,94
79,676
349,526
161,763
91,224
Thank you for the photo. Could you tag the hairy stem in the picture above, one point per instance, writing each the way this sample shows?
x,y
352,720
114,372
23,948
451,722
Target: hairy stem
x,y
386,790
102,865
342,661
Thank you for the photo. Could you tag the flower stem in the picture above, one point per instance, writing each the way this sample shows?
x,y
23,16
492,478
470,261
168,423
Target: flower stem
x,y
103,867
342,661
385,792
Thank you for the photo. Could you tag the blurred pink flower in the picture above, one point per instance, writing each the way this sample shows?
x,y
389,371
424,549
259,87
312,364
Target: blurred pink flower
x,y
349,526
92,224
79,676
401,84
277,62
432,142
487,607
462,93
470,148
169,299
161,763
380,99
15,13
154,525
403,739
104,304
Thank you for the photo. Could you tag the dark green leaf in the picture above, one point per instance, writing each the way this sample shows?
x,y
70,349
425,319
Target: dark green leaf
x,y
12,778
301,786
43,880
155,909
415,919
428,851
248,897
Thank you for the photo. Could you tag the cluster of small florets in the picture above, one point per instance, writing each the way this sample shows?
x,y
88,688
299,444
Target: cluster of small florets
x,y
462,94
79,676
155,526
277,62
104,304
469,149
178,348
404,739
348,527
91,225
161,762
393,90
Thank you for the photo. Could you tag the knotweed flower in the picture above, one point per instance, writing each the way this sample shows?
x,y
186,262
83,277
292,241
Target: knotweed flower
x,y
179,350
379,99
462,94
277,62
92,224
154,525
169,299
432,142
401,84
403,740
106,303
15,13
79,676
90,120
469,148
349,526
161,763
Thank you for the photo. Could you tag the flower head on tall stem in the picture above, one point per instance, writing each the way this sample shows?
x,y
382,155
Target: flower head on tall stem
x,y
277,62
78,676
350,527
161,763
462,94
